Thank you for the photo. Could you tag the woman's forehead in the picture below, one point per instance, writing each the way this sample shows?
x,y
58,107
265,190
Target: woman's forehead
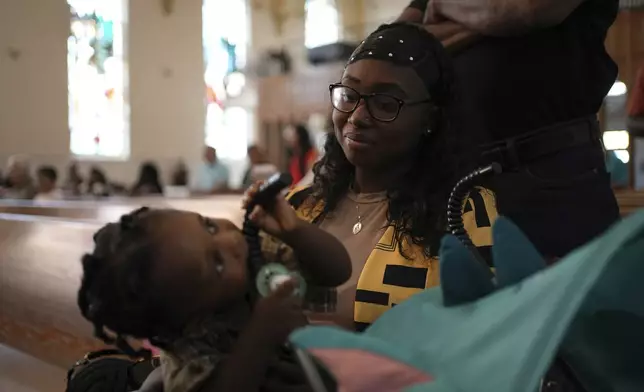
x,y
382,75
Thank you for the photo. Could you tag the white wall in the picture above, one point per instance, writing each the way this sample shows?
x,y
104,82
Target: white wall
x,y
166,84
165,72
383,11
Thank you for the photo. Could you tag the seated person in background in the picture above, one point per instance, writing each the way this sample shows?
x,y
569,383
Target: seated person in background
x,y
74,180
148,182
213,175
47,189
180,175
98,185
18,184
180,280
259,169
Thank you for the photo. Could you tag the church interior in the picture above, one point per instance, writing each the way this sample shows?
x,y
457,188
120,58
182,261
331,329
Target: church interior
x,y
108,105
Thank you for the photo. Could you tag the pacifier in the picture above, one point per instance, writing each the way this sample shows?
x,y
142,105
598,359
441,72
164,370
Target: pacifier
x,y
273,275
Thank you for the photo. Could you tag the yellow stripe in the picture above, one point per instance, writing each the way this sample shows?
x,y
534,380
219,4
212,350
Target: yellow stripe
x,y
367,313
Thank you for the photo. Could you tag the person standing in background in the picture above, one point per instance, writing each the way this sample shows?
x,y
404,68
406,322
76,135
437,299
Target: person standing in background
x,y
636,106
533,75
302,153
213,175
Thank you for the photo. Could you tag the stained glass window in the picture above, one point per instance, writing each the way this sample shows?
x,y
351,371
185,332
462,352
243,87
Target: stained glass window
x,y
322,23
225,41
98,110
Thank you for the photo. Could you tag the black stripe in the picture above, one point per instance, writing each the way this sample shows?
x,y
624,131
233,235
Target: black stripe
x,y
486,253
388,247
402,276
480,212
299,197
468,207
372,297
360,327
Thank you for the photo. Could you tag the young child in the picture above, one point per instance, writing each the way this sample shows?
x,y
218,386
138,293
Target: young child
x,y
180,280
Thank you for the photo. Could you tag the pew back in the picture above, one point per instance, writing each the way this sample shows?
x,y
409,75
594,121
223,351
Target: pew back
x,y
39,277
225,206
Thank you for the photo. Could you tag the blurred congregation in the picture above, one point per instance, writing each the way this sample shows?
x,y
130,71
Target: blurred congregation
x,y
110,109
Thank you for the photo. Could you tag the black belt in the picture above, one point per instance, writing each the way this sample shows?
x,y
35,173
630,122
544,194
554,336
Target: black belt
x,y
520,150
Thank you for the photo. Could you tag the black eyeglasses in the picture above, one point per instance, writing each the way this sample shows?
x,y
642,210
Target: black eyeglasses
x,y
382,107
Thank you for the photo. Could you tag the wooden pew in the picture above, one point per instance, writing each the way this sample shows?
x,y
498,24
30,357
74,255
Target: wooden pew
x,y
224,206
101,214
40,274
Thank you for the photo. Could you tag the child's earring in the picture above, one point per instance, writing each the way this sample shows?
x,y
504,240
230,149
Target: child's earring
x,y
428,132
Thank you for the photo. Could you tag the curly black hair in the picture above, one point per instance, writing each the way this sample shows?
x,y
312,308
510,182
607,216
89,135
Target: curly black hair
x,y
417,203
114,294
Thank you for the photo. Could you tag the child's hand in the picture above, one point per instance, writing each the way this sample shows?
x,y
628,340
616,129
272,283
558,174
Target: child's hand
x,y
279,219
279,314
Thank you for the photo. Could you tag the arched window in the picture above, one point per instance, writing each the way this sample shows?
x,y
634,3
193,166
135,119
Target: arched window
x,y
225,41
98,109
322,23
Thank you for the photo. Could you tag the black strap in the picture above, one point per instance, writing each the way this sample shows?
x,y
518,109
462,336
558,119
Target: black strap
x,y
298,198
520,150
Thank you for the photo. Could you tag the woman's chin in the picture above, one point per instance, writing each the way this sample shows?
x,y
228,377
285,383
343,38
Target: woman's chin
x,y
361,157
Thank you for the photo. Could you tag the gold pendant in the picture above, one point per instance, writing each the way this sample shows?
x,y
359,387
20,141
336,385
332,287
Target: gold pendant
x,y
357,227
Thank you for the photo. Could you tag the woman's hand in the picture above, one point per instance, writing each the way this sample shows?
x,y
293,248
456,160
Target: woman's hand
x,y
279,314
278,220
452,35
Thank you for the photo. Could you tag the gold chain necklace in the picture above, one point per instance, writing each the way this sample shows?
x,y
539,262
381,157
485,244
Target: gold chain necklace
x,y
358,226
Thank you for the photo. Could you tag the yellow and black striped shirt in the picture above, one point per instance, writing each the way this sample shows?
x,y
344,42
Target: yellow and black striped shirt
x,y
388,278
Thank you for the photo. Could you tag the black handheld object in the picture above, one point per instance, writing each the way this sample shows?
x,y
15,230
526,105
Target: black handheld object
x,y
264,197
269,190
456,201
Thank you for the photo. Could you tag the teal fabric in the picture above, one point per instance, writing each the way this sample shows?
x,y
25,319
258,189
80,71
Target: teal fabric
x,y
475,335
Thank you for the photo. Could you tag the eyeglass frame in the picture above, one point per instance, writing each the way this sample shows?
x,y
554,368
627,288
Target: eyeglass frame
x,y
366,97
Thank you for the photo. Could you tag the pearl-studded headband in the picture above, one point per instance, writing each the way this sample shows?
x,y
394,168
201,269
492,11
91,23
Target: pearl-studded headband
x,y
407,45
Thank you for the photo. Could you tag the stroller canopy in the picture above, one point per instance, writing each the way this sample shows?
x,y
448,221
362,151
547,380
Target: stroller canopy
x,y
474,334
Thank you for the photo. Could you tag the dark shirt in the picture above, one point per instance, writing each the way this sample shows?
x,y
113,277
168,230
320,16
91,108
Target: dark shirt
x,y
511,85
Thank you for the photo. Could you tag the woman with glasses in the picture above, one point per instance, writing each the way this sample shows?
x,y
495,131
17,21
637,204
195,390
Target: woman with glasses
x,y
383,183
